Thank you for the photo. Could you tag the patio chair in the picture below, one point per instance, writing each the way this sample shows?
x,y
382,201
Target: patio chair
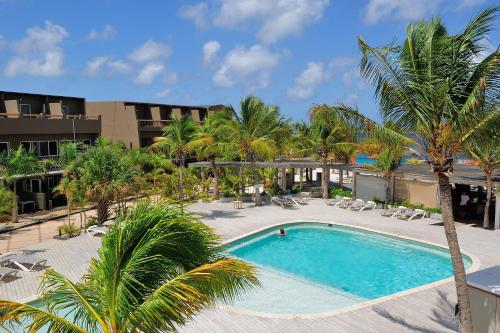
x,y
412,214
25,262
363,206
391,212
7,272
347,203
337,201
284,203
95,230
299,201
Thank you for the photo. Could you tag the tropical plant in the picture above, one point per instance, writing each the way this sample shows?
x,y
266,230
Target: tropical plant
x,y
434,86
301,145
175,142
385,163
154,170
69,229
6,202
103,174
209,143
156,268
254,133
17,163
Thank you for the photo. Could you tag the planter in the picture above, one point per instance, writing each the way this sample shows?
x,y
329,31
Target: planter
x,y
437,216
227,199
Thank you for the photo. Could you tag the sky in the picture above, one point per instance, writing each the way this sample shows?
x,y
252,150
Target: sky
x,y
292,53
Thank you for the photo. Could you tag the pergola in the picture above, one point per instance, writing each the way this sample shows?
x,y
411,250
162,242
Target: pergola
x,y
281,165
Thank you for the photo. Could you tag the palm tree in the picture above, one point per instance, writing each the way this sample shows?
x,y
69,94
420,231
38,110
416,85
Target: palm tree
x,y
301,144
157,267
254,132
209,144
102,174
17,163
434,87
175,142
485,150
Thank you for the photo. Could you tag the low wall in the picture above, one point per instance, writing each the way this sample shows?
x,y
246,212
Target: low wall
x,y
417,192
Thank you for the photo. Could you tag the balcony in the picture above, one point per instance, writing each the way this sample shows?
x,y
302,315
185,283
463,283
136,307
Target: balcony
x,y
152,125
26,124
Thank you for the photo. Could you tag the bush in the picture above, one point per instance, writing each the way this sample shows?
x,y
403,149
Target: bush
x,y
337,191
433,210
377,200
69,229
228,194
295,189
92,220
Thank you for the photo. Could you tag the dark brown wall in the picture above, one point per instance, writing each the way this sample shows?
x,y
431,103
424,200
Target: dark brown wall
x,y
27,126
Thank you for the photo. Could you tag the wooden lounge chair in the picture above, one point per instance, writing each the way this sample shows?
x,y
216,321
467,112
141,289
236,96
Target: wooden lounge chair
x,y
95,230
412,214
7,272
25,262
363,206
391,212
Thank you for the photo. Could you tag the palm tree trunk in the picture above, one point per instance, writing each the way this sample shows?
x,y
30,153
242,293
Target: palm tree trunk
x,y
325,181
256,186
242,180
68,206
456,256
181,184
341,178
216,179
486,220
301,179
102,207
15,208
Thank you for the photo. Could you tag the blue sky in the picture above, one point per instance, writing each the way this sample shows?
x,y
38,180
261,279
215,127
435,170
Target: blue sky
x,y
292,53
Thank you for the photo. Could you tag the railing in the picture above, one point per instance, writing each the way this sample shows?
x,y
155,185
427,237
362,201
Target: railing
x,y
147,123
48,116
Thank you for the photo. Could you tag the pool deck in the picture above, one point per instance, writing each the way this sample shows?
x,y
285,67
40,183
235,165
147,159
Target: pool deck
x,y
427,310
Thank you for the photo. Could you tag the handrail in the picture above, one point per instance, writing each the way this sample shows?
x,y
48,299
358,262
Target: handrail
x,y
153,123
48,116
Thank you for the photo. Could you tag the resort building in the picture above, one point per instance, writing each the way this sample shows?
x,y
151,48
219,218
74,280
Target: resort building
x,y
136,124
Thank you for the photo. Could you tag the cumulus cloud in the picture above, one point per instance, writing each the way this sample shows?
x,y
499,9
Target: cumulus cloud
x,y
106,66
107,33
197,13
150,51
163,93
39,53
149,72
210,50
377,10
250,67
305,84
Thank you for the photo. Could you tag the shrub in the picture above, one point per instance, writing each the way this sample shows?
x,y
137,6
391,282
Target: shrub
x,y
228,194
334,191
436,210
377,200
69,229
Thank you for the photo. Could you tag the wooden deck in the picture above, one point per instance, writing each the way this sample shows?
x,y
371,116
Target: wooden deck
x,y
430,310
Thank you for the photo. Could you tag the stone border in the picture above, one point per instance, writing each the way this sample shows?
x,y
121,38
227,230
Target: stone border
x,y
476,263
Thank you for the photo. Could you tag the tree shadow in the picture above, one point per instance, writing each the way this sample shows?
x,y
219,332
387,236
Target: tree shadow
x,y
443,314
216,213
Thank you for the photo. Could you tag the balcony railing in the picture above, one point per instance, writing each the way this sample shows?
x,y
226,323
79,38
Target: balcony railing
x,y
48,116
148,123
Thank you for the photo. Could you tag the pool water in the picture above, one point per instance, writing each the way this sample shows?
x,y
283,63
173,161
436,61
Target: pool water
x,y
318,268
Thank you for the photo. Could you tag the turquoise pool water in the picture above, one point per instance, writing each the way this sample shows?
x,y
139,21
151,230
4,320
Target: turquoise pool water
x,y
317,268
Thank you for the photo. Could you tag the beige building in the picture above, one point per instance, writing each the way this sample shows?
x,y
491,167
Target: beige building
x,y
136,124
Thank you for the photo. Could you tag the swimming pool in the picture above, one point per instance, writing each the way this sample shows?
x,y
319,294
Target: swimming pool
x,y
318,267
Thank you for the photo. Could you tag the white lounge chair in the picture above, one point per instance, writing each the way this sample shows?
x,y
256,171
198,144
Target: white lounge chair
x,y
412,214
7,272
347,203
299,201
25,262
391,212
95,230
284,203
337,201
363,206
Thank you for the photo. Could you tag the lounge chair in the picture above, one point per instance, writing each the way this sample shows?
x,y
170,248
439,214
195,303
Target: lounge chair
x,y
337,201
299,201
6,272
411,214
285,203
363,206
25,262
391,212
347,203
95,230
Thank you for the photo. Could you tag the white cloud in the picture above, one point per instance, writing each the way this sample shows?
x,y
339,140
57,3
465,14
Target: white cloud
x,y
170,78
150,51
210,50
250,68
377,10
149,72
305,84
107,33
163,93
106,66
39,53
273,19
198,13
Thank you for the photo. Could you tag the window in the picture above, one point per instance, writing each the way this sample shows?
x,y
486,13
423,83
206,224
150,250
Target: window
x,y
47,148
4,148
87,142
30,145
36,185
65,110
25,108
51,183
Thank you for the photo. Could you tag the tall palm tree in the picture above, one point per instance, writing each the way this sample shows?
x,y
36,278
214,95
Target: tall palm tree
x,y
17,163
301,144
209,143
434,87
157,267
254,132
175,142
485,150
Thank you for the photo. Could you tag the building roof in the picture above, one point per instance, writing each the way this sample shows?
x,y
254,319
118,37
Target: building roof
x,y
38,94
162,104
280,164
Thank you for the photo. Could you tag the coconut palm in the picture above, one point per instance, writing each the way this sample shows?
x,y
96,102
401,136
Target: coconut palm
x,y
209,143
301,144
17,163
103,174
434,87
254,132
175,142
157,267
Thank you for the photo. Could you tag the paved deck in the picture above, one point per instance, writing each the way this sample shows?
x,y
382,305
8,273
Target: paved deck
x,y
429,310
